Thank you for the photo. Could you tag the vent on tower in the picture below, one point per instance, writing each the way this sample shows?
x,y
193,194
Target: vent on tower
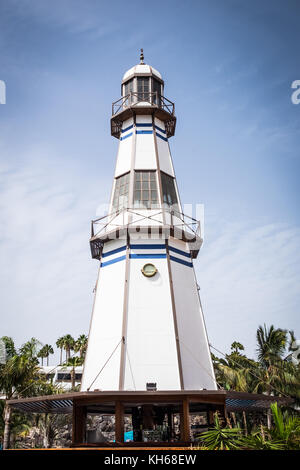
x,y
151,387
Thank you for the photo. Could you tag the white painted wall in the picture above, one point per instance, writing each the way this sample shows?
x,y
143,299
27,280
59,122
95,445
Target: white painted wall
x,y
195,355
150,330
123,164
106,325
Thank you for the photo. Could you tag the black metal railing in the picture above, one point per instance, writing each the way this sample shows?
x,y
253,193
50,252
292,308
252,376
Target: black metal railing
x,y
151,97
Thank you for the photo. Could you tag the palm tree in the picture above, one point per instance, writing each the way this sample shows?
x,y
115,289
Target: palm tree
x,y
271,344
9,346
42,354
68,345
16,375
74,362
236,347
81,345
31,348
60,345
48,350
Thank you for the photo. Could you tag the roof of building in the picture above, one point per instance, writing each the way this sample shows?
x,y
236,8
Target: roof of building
x,y
63,403
141,69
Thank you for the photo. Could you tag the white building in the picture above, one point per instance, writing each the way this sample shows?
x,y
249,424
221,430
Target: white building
x,y
61,375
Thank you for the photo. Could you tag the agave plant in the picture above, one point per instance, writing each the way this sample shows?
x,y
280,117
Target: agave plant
x,y
258,440
221,438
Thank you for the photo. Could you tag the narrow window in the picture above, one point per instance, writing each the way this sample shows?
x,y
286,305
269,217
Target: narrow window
x,y
169,191
145,190
128,88
120,199
143,88
156,88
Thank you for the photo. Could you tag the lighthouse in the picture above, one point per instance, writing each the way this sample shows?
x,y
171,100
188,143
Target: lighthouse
x,y
147,329
148,363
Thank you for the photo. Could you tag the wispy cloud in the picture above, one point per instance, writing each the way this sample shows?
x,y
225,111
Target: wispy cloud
x,y
249,275
47,274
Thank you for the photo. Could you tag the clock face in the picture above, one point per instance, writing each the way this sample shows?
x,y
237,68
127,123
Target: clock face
x,y
149,270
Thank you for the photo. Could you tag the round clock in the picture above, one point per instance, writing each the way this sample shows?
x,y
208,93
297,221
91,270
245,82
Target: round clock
x,y
149,270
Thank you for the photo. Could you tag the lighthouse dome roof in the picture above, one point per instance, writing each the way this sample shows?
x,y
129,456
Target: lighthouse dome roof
x,y
141,69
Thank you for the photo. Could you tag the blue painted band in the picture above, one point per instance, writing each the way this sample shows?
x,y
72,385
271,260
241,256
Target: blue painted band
x,y
148,247
127,128
112,252
162,137
148,255
125,136
160,129
112,261
180,252
186,263
146,124
144,132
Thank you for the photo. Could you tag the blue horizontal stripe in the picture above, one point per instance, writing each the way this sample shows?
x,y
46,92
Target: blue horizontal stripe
x,y
112,252
127,128
186,263
146,124
125,136
180,252
160,129
148,247
144,132
148,255
112,261
162,137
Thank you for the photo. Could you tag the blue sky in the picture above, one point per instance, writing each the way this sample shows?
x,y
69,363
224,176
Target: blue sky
x,y
228,65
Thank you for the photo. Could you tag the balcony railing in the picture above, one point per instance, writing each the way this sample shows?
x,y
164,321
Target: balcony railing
x,y
170,222
153,98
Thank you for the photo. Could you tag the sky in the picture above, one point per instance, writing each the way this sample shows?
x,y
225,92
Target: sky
x,y
228,65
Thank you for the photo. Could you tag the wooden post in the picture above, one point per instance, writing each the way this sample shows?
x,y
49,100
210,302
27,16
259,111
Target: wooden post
x,y
119,421
78,424
170,422
185,420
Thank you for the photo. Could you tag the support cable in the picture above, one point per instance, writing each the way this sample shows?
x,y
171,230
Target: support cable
x,y
201,365
133,381
121,340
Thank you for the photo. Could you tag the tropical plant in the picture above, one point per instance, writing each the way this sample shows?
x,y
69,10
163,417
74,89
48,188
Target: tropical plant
x,y
16,377
51,425
60,345
286,428
220,437
68,345
9,346
258,440
81,345
45,352
272,343
236,347
74,362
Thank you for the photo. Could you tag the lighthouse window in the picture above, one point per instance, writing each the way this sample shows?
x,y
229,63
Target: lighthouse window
x,y
128,88
156,88
169,191
143,88
145,189
120,199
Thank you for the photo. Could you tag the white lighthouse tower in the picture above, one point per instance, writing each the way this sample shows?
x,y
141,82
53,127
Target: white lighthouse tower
x,y
147,325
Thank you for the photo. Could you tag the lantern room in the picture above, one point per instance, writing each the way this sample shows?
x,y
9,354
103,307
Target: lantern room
x,y
142,92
